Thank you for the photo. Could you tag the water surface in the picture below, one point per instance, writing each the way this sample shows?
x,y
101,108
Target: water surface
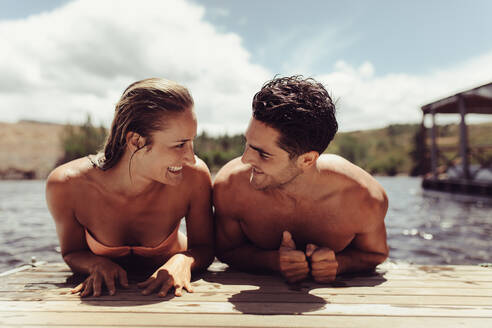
x,y
423,227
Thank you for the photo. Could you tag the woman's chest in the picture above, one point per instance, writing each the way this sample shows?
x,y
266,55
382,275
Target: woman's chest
x,y
139,222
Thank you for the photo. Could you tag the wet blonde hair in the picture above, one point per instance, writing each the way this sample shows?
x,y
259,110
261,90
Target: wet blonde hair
x,y
142,109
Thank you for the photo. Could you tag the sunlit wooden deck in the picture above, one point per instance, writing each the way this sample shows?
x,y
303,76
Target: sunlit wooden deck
x,y
395,296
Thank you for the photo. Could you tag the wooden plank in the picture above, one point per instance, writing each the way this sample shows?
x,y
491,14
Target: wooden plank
x,y
277,282
388,266
204,288
242,279
424,293
248,307
88,319
233,277
429,267
259,298
275,285
228,276
402,296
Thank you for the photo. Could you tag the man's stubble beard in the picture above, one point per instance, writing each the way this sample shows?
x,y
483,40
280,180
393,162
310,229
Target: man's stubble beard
x,y
293,174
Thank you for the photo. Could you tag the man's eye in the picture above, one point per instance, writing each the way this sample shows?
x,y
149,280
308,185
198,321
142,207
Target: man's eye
x,y
180,145
263,156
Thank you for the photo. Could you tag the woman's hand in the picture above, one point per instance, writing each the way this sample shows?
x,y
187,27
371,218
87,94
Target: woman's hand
x,y
105,271
176,272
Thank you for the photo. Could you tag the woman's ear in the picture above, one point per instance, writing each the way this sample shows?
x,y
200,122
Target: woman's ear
x,y
134,141
307,160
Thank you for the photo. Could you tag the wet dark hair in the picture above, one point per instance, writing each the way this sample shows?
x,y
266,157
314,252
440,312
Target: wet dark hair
x,y
142,108
301,110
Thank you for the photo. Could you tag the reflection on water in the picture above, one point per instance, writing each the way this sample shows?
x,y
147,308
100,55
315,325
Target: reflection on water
x,y
432,227
26,227
423,227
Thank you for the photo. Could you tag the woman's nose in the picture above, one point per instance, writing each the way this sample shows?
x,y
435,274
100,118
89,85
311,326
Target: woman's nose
x,y
189,156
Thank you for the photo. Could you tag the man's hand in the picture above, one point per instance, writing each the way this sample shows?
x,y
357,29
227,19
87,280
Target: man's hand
x,y
293,264
176,272
324,265
105,271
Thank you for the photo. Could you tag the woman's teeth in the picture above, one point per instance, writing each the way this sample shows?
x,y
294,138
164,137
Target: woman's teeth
x,y
175,168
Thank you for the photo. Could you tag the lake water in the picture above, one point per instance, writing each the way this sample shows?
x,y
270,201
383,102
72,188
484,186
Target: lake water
x,y
423,227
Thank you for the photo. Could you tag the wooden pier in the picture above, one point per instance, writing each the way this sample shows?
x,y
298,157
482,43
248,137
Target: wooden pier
x,y
397,295
467,181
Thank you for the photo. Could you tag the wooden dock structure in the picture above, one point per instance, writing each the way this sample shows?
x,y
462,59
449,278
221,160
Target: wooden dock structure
x,y
465,180
396,295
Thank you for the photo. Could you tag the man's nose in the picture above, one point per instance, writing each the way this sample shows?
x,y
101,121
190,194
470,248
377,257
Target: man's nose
x,y
246,158
189,156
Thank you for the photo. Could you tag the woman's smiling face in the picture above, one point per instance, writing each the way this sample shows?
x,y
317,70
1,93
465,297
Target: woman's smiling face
x,y
170,151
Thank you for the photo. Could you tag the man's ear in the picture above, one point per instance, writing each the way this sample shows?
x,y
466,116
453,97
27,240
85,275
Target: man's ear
x,y
307,160
134,141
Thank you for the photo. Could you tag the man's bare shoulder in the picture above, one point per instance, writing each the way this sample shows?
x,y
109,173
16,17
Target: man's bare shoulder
x,y
354,185
348,175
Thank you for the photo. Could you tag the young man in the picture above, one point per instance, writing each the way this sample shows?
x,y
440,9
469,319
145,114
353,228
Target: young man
x,y
286,208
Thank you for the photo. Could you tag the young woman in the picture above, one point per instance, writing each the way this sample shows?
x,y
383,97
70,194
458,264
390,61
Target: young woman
x,y
122,207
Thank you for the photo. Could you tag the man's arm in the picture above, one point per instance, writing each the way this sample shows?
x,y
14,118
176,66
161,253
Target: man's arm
x,y
234,248
368,248
366,251
289,262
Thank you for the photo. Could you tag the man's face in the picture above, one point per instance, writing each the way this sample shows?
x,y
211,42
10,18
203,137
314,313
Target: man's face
x,y
271,166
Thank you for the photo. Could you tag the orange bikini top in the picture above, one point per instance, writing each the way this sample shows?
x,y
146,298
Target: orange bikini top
x,y
167,246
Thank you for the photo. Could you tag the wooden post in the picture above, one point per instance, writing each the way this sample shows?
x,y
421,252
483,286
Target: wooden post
x,y
434,145
463,139
424,164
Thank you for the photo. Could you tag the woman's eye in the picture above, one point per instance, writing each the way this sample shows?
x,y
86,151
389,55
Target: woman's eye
x,y
263,156
180,145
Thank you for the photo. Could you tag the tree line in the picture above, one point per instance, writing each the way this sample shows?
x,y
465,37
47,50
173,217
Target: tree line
x,y
396,149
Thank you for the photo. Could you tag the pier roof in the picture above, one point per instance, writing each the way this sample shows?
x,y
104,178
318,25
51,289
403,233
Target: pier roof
x,y
477,101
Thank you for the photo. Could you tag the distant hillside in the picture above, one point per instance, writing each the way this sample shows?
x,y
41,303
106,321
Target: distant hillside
x,y
382,151
28,149
32,149
395,149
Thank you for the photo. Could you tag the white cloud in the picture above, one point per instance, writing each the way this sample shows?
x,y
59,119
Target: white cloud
x,y
368,101
79,58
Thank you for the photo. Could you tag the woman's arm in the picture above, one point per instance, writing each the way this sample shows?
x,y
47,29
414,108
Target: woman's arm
x,y
176,272
199,221
61,200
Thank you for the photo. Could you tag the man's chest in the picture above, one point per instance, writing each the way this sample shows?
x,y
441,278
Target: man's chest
x,y
308,223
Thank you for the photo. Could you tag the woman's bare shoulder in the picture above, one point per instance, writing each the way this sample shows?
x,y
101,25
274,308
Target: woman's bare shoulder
x,y
71,174
233,173
65,185
198,173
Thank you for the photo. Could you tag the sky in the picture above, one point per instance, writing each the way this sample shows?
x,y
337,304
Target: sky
x,y
380,60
